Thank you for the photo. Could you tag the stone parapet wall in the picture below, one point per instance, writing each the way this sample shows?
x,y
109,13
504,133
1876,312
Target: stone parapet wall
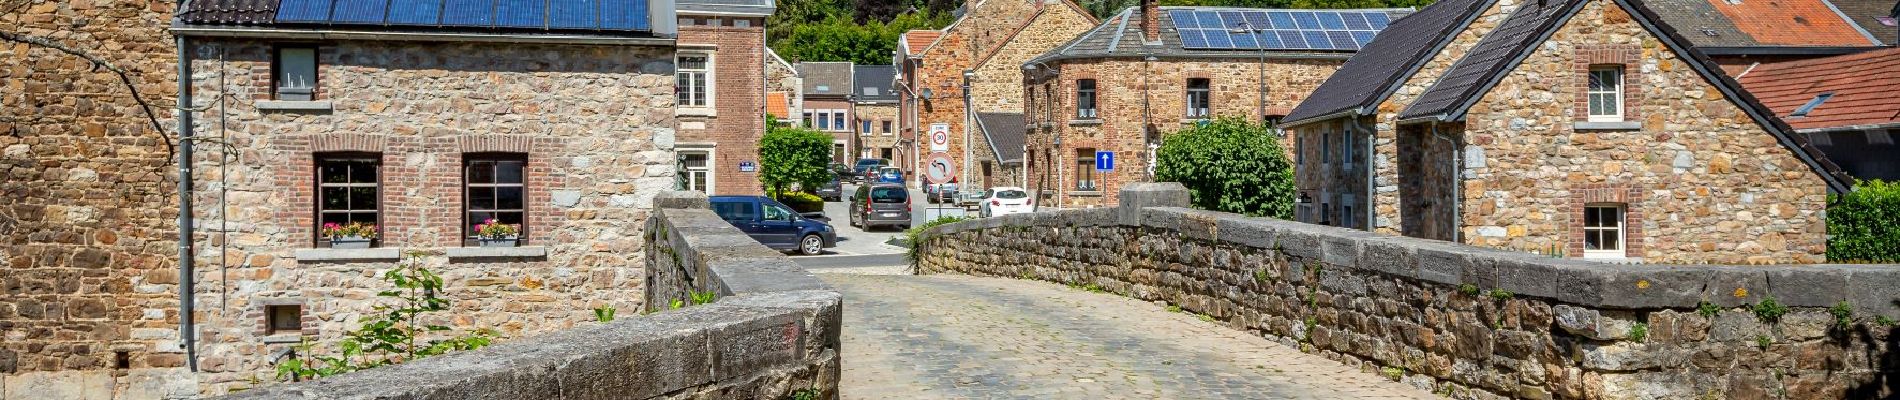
x,y
774,331
1460,320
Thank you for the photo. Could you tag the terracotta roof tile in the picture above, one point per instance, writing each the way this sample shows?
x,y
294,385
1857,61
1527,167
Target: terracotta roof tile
x,y
917,40
777,105
1862,85
1791,22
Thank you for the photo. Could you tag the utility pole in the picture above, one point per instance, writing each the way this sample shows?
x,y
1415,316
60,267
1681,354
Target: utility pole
x,y
1257,31
969,115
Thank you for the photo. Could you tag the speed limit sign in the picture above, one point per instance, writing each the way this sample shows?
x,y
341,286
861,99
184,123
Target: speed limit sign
x,y
940,137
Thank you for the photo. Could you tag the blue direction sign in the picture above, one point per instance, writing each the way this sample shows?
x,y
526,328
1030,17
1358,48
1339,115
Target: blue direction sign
x,y
1104,160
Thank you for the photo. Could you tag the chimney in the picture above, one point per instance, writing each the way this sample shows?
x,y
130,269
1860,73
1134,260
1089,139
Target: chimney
x,y
1150,21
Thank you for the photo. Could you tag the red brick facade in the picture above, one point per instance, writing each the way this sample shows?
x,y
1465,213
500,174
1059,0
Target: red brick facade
x,y
737,121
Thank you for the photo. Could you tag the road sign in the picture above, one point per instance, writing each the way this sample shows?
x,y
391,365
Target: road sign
x,y
748,166
939,137
938,168
1104,160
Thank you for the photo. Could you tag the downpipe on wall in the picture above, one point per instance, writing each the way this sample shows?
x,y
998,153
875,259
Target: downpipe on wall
x,y
187,331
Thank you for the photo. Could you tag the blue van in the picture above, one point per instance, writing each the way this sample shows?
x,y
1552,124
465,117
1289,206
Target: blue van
x,y
775,225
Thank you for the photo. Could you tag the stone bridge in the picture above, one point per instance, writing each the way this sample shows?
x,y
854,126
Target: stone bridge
x,y
1155,300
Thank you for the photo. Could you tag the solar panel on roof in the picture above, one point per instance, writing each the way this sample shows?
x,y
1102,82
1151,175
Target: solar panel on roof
x,y
1270,40
468,12
1363,37
1342,40
623,14
1317,40
1209,20
359,11
1305,20
1245,40
1258,20
304,10
573,14
1218,39
521,13
1355,21
1192,38
1378,20
1330,20
415,12
1287,30
1282,20
1292,39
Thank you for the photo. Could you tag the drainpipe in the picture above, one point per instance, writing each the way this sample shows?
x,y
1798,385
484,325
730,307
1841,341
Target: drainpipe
x,y
187,333
1457,187
1366,203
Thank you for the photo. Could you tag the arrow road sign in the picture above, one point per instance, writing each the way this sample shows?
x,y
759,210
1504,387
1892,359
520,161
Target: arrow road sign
x,y
938,168
1104,160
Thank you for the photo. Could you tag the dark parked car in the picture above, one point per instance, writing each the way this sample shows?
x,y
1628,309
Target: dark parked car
x,y
775,225
840,170
865,166
831,191
941,193
880,204
890,175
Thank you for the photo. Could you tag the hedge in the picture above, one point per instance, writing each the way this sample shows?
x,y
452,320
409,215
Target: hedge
x,y
1864,225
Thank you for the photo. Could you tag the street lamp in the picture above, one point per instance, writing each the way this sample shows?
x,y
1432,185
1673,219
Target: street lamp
x,y
969,115
1244,27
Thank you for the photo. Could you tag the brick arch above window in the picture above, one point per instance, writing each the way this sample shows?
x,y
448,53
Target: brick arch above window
x,y
343,142
494,143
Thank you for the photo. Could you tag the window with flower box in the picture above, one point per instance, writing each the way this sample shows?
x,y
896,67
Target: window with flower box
x,y
496,192
349,197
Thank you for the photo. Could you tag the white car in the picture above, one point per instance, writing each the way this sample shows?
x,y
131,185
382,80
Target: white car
x,y
1005,200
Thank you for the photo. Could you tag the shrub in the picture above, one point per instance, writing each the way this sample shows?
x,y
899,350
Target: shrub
x,y
1229,165
1860,224
802,202
794,156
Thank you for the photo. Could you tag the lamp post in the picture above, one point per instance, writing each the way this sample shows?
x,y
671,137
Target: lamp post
x,y
1244,27
969,114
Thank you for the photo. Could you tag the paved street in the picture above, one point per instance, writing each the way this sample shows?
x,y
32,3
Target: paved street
x,y
856,241
960,337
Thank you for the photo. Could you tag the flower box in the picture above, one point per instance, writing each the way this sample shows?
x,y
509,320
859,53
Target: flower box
x,y
499,242
349,242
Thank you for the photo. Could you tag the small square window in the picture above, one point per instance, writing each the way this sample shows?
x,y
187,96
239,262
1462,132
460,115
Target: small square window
x,y
284,319
1605,95
295,78
1603,230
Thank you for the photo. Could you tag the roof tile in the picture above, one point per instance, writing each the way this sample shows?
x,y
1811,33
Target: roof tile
x,y
1862,85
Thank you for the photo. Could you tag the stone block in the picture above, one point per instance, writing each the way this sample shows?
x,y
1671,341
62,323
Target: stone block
x,y
1249,232
1648,286
59,385
1166,219
1340,251
1137,196
1593,323
1389,256
1875,290
1304,244
1528,276
685,199
1808,286
1447,264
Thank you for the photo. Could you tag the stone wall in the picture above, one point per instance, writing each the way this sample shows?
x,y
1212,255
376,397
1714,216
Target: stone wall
x,y
1132,94
596,127
1469,322
773,332
1701,180
871,144
1332,174
88,203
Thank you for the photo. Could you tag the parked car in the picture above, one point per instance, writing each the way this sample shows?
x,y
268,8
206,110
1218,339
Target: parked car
x,y
890,175
831,191
1005,200
940,192
840,170
862,171
969,198
880,204
775,225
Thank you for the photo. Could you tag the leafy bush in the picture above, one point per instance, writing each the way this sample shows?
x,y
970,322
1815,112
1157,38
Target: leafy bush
x,y
1860,224
794,156
802,202
1229,165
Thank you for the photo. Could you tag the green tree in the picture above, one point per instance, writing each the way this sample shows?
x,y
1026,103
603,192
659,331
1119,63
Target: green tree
x,y
1229,165
1861,224
838,38
789,155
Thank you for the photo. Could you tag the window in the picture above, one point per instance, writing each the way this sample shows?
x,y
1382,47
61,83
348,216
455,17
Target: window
x,y
864,126
1345,149
496,190
1197,97
692,83
1606,94
697,171
837,120
283,319
1603,230
1809,107
349,189
1085,98
1299,150
1325,148
886,130
1085,170
1346,216
774,212
296,75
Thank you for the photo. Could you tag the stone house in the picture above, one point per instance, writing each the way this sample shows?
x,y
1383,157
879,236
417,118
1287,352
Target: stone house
x,y
827,105
1739,34
1578,128
1149,71
874,106
985,49
783,89
1845,105
720,124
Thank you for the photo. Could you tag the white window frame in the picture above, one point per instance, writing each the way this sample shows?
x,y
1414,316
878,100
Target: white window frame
x,y
1206,108
1615,92
708,71
294,78
1621,229
712,165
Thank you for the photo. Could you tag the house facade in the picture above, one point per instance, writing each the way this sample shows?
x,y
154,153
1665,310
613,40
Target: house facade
x,y
720,104
1149,71
874,105
983,50
827,105
1581,128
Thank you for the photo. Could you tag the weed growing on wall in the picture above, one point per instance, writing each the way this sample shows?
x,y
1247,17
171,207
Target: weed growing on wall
x,y
914,237
389,337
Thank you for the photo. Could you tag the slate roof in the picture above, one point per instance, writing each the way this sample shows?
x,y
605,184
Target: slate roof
x,y
1392,57
1759,23
1863,88
1120,36
1874,16
758,8
830,78
1493,56
229,12
1005,134
873,83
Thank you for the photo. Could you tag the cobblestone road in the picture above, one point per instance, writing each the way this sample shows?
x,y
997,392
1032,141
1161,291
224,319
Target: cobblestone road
x,y
960,337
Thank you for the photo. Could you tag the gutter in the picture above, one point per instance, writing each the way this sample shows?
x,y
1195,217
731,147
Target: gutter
x,y
1863,127
1783,50
1354,112
333,34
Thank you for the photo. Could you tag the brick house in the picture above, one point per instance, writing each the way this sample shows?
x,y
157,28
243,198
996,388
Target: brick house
x,y
1844,105
721,44
1738,34
1149,71
989,42
1582,128
874,106
827,105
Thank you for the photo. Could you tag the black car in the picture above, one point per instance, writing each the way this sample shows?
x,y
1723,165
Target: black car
x,y
775,225
831,191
